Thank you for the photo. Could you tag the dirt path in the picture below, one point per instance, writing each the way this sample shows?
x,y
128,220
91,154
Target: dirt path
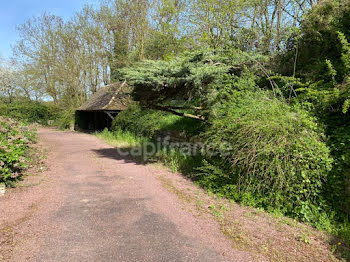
x,y
96,206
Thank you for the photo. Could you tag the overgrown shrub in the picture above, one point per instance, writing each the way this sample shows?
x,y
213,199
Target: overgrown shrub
x,y
14,145
274,153
338,140
30,111
144,122
323,71
138,121
65,119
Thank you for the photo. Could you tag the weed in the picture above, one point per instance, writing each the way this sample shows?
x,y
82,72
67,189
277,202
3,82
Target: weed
x,y
304,238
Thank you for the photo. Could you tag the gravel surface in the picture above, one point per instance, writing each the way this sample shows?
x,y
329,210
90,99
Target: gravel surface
x,y
95,205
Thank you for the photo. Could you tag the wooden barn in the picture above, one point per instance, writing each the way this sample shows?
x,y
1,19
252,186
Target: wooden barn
x,y
98,112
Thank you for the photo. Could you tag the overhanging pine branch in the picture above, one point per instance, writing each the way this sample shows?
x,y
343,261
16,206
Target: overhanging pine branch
x,y
185,107
172,111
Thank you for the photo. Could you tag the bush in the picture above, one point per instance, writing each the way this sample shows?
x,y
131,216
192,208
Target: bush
x,y
14,145
273,152
29,111
338,134
65,119
144,122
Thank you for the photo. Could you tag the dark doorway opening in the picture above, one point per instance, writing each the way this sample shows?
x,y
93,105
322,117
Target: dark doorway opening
x,y
94,120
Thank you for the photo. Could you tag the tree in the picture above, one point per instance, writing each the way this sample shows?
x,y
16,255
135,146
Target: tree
x,y
127,23
168,36
38,49
215,22
9,80
188,85
69,59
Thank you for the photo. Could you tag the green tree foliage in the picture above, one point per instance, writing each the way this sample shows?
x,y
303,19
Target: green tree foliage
x,y
68,60
62,59
127,24
189,83
188,78
320,41
167,38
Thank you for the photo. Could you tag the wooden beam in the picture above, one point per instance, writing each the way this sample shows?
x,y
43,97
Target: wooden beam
x,y
110,115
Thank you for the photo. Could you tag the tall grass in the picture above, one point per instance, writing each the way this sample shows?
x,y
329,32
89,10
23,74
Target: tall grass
x,y
123,139
172,158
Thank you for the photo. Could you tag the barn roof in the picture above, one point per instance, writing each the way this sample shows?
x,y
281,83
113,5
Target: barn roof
x,y
112,97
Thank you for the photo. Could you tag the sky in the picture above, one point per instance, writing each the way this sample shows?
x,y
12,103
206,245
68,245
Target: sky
x,y
16,12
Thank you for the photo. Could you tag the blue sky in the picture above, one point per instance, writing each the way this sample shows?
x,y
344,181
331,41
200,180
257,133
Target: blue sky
x,y
16,12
